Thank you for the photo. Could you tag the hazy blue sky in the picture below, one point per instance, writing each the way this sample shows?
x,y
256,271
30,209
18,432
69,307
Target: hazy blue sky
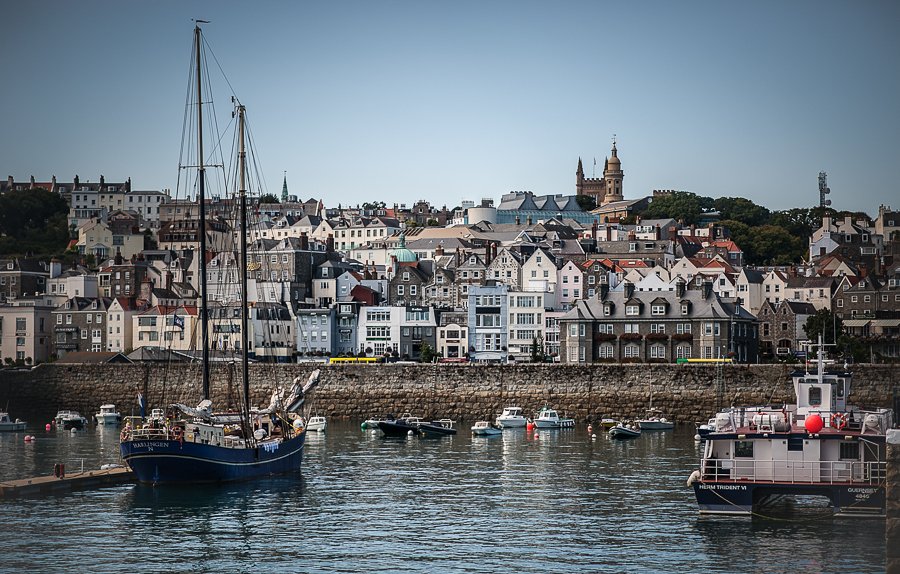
x,y
445,101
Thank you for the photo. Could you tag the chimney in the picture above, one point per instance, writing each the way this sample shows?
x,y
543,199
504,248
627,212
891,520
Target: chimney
x,y
528,220
102,180
458,257
487,253
680,287
329,243
628,288
168,279
304,241
118,259
146,287
707,289
594,230
439,250
657,232
493,251
608,232
518,221
603,291
55,268
826,221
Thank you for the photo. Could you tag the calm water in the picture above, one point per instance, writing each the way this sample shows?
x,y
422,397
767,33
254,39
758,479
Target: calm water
x,y
558,503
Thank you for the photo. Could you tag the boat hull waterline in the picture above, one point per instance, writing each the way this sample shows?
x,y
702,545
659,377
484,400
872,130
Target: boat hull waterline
x,y
742,499
160,461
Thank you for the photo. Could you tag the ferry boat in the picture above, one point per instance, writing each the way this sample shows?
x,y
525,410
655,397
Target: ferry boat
x,y
819,446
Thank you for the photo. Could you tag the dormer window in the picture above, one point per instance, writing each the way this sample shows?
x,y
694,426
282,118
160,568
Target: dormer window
x,y
685,308
632,310
658,309
406,275
607,309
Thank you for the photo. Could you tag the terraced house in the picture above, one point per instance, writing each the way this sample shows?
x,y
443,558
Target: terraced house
x,y
641,326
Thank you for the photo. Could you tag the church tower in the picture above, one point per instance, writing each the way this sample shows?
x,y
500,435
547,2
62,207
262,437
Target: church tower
x,y
284,193
612,177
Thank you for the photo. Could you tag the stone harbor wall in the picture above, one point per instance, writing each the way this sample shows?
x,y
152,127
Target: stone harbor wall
x,y
892,524
685,393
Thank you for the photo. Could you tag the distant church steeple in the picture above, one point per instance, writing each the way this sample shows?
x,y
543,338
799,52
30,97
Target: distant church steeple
x,y
284,194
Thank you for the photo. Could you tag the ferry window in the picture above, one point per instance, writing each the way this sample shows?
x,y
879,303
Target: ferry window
x,y
840,388
743,448
850,450
795,444
815,396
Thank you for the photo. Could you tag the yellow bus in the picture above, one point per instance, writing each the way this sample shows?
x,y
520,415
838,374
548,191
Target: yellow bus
x,y
335,360
683,360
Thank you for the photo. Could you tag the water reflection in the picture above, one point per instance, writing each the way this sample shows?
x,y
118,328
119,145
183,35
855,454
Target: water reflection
x,y
561,501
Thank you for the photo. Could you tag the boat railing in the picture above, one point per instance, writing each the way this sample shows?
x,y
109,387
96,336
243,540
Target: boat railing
x,y
794,471
149,433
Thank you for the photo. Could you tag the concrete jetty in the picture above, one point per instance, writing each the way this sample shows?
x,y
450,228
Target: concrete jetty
x,y
81,480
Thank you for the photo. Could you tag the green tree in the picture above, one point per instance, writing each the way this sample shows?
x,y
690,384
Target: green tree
x,y
268,198
679,205
537,350
33,222
824,323
586,202
426,355
743,210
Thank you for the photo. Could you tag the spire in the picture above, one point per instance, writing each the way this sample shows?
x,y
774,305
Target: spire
x,y
580,168
284,192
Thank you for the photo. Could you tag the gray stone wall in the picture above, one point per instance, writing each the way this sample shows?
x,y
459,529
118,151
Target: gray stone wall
x,y
688,393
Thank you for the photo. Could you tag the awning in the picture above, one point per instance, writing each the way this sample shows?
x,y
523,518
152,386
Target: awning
x,y
856,322
886,322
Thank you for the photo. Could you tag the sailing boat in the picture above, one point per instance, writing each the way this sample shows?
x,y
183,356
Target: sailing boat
x,y
204,446
654,419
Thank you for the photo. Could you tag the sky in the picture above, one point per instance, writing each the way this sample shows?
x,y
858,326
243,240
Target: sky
x,y
398,101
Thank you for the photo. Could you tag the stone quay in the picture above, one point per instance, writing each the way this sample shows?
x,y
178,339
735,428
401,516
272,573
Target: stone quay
x,y
685,393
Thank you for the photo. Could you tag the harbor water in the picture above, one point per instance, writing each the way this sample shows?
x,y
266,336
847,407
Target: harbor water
x,y
559,502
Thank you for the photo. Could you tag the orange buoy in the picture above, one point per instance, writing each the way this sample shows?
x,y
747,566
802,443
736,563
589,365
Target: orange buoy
x,y
47,427
590,429
529,426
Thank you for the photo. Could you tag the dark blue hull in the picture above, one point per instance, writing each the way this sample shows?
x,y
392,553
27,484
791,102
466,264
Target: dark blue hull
x,y
746,497
176,462
398,429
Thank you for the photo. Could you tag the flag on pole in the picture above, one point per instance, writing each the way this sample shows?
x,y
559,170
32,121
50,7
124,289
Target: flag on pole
x,y
142,403
178,321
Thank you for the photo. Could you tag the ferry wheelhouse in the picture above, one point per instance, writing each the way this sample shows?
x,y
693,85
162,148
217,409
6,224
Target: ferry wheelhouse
x,y
819,446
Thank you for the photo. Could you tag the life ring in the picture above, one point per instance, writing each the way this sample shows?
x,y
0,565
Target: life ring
x,y
839,421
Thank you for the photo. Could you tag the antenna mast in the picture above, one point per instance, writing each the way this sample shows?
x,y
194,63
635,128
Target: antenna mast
x,y
823,190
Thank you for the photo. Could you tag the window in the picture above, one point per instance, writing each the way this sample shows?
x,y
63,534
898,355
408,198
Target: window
x,y
605,351
632,310
632,351
658,310
743,449
849,451
815,396
683,351
657,352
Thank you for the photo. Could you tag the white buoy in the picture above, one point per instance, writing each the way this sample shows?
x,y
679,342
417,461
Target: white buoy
x,y
696,437
409,433
74,430
594,436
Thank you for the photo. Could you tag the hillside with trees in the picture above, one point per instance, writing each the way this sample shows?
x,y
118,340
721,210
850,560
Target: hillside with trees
x,y
766,237
33,222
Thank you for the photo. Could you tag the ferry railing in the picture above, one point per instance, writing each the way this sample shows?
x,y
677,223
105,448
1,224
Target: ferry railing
x,y
795,471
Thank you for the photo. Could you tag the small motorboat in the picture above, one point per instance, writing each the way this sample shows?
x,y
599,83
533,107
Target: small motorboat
x,y
608,423
654,421
404,426
485,428
622,430
68,420
550,419
317,423
512,417
704,429
108,415
442,427
9,425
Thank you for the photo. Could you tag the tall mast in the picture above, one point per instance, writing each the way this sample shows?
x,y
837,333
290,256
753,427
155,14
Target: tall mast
x,y
204,319
245,338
